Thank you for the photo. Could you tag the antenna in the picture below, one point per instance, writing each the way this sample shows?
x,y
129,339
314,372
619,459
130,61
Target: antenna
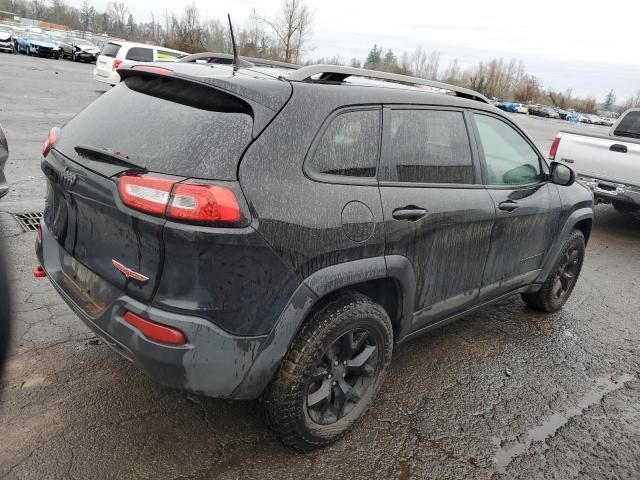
x,y
233,44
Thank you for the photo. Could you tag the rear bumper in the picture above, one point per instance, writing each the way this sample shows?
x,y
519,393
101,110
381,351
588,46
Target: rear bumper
x,y
605,191
213,362
112,78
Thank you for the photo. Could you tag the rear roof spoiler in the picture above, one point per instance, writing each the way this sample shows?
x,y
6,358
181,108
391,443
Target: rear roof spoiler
x,y
338,73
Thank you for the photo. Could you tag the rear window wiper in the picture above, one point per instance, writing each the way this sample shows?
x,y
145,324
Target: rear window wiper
x,y
107,156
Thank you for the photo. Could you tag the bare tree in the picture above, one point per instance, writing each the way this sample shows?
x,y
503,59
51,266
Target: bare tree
x,y
119,12
292,29
38,8
432,66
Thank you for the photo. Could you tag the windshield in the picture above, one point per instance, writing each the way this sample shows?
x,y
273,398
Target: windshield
x,y
38,36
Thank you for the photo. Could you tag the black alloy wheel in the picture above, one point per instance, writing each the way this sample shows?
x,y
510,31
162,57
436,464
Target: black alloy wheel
x,y
568,273
344,375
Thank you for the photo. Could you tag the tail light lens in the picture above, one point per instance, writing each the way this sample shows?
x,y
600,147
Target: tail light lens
x,y
554,148
156,331
147,194
191,202
49,143
116,64
203,203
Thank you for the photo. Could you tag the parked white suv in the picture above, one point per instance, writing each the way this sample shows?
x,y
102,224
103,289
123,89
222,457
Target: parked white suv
x,y
115,53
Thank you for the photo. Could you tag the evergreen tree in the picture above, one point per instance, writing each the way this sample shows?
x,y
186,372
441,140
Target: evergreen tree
x,y
131,28
609,101
374,58
390,62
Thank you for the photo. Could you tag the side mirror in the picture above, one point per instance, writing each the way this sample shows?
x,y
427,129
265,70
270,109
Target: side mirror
x,y
561,174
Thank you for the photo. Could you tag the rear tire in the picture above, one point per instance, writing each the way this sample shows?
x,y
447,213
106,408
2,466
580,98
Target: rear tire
x,y
332,373
562,279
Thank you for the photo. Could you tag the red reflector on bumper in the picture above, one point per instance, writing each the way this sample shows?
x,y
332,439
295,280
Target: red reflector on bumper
x,y
39,272
156,331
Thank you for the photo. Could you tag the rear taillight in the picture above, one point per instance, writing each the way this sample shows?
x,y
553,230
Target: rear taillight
x,y
144,193
191,202
116,64
49,143
203,203
155,331
554,148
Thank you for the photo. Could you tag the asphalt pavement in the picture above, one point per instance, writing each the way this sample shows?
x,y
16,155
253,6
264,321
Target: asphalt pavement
x,y
506,393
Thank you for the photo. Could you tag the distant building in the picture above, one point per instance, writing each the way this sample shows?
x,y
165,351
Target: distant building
x,y
8,16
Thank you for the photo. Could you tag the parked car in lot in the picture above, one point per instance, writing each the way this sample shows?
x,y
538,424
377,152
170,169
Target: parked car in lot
x,y
4,156
37,44
522,108
508,107
608,164
77,49
185,230
577,117
7,43
561,113
541,111
115,53
596,120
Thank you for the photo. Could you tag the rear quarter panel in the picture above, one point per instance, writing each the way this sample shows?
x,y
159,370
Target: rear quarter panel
x,y
299,217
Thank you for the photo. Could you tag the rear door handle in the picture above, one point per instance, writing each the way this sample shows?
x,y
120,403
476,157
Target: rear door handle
x,y
409,213
616,147
508,205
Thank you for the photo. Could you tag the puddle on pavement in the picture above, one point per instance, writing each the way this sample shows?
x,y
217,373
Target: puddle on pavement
x,y
604,385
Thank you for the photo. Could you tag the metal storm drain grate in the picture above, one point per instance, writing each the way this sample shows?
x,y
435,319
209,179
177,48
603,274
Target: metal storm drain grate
x,y
29,221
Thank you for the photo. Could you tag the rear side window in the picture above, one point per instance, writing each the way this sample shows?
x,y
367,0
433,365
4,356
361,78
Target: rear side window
x,y
429,146
110,50
140,54
629,126
165,56
165,126
349,146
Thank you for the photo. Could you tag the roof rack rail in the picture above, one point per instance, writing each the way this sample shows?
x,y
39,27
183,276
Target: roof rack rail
x,y
337,73
227,59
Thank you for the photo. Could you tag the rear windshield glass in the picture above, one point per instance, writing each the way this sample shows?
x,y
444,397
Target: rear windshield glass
x,y
139,54
110,50
629,126
173,127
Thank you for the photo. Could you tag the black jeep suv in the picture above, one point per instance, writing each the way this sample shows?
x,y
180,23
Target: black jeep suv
x,y
256,230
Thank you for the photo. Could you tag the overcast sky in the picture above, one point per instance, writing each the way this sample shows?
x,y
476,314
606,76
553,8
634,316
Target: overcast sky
x,y
564,43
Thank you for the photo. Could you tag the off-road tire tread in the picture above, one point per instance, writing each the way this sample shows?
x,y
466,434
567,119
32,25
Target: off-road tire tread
x,y
541,300
281,400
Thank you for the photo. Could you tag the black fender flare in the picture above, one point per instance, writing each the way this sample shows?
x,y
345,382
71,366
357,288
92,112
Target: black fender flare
x,y
575,218
315,287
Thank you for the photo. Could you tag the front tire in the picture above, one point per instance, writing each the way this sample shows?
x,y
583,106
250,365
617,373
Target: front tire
x,y
562,279
332,373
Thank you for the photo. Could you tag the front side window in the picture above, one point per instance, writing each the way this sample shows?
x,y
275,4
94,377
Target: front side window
x,y
429,146
349,146
509,159
139,54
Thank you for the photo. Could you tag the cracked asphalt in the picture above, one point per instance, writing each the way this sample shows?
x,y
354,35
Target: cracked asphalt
x,y
508,393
